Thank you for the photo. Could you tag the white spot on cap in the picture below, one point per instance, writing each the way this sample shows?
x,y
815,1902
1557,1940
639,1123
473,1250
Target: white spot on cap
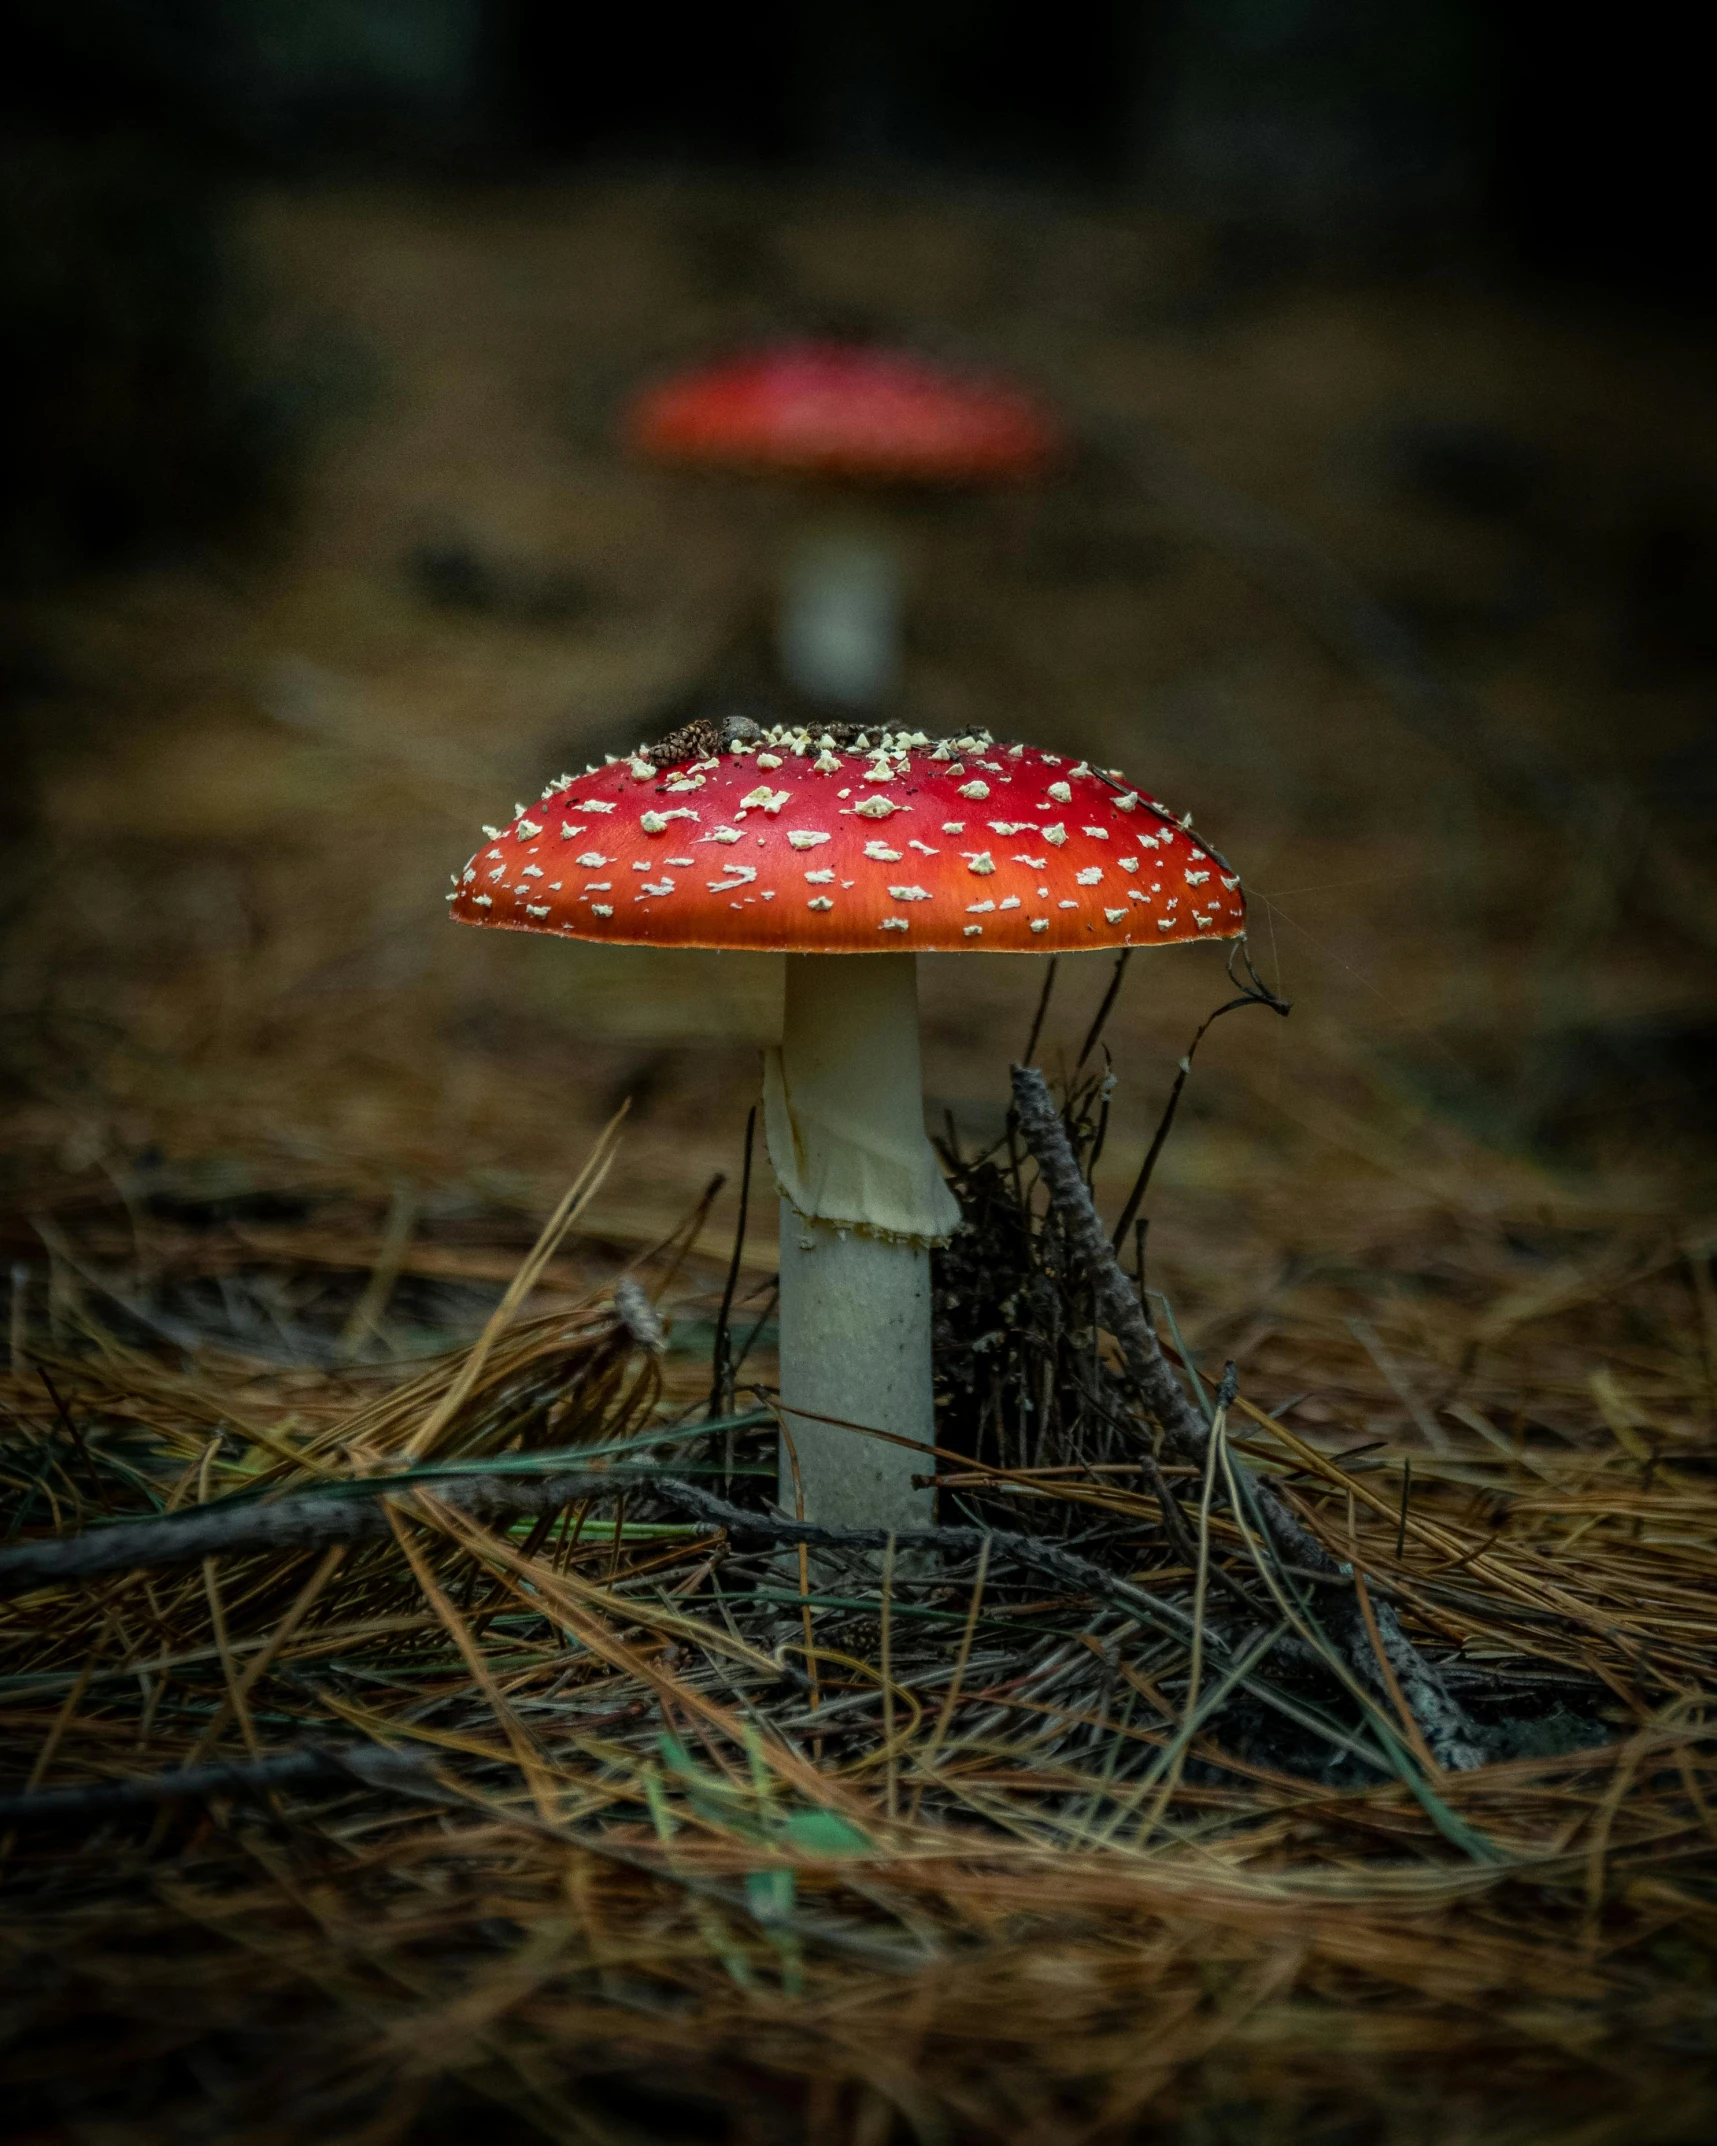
x,y
739,875
1067,905
1010,901
481,901
979,909
825,764
972,931
1055,833
877,808
974,790
819,901
1009,827
722,834
594,805
908,894
1165,923
532,910
1061,793
924,848
592,860
882,853
533,871
979,861
491,832
894,924
824,878
1196,879
769,760
1115,916
805,837
1128,864
1090,876
953,827
1231,884
600,909
1037,864
765,799
1040,923
660,886
1127,801
527,829
1097,834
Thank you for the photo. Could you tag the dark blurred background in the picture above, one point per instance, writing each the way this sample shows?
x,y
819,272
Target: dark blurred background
x,y
1310,133
1384,334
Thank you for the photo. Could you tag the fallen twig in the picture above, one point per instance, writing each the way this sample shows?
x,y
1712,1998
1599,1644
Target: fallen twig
x,y
375,1765
1448,1731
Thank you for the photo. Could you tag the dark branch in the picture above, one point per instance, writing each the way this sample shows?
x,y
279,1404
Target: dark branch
x,y
1448,1731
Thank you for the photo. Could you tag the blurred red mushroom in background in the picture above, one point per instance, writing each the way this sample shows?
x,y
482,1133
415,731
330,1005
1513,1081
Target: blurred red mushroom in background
x,y
853,419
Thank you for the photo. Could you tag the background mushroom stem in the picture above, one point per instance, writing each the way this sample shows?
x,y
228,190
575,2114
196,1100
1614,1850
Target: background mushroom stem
x,y
838,630
863,1201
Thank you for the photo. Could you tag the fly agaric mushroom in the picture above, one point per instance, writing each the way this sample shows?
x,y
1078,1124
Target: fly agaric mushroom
x,y
852,416
827,844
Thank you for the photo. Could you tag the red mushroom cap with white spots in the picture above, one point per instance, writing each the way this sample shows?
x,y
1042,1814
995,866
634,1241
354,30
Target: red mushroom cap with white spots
x,y
845,411
794,844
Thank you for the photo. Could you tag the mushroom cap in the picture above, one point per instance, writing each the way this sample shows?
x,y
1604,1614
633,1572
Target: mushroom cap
x,y
792,844
844,411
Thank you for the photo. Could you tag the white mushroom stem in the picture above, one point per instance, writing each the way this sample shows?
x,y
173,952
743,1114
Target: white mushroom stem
x,y
839,629
863,1201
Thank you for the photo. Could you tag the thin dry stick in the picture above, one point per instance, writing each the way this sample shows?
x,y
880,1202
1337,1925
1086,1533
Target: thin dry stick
x,y
1414,1734
927,1764
804,1572
229,1668
312,1519
1195,1665
1450,1733
524,1751
1371,1342
366,1317
892,1773
270,1648
576,1198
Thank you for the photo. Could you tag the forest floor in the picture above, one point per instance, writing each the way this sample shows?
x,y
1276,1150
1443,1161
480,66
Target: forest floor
x,y
1400,583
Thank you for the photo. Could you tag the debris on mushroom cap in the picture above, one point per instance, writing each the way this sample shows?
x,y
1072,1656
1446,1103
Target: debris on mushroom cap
x,y
845,410
1048,888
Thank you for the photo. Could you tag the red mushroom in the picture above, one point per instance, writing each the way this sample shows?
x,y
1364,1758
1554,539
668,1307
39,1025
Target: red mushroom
x,y
816,844
859,417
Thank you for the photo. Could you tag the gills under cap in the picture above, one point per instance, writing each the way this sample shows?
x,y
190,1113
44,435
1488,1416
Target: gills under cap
x,y
793,842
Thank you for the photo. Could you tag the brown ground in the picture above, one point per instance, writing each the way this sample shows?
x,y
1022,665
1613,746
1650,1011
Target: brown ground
x,y
237,946
1469,1173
